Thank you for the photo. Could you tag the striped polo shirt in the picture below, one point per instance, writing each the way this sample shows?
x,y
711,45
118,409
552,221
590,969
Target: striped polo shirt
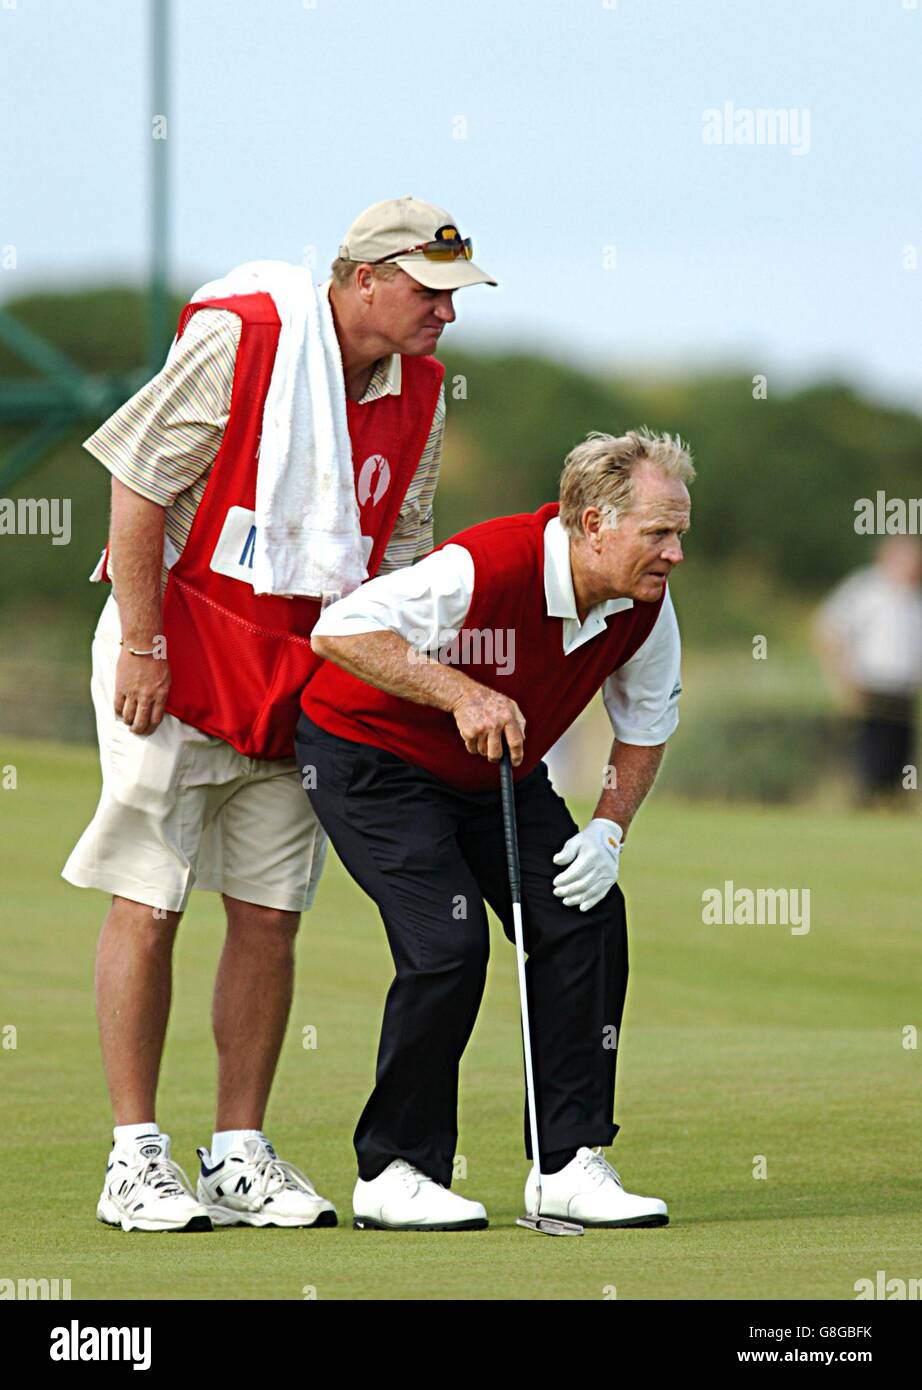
x,y
163,441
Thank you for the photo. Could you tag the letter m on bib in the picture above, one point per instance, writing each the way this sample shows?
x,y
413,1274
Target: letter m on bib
x,y
236,548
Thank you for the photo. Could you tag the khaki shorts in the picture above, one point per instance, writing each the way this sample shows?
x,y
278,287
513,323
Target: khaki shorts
x,y
181,809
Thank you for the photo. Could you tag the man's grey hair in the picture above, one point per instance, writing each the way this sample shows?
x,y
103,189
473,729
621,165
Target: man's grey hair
x,y
599,472
343,271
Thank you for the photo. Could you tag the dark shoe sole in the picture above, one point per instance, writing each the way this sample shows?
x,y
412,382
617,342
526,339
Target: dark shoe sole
x,y
367,1223
326,1218
636,1222
198,1223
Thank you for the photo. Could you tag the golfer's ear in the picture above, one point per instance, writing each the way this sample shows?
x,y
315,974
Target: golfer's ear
x,y
591,522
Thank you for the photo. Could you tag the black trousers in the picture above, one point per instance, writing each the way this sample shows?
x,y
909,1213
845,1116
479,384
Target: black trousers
x,y
886,734
429,856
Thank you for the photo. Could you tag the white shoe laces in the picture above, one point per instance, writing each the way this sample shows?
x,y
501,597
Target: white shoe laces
x,y
165,1178
412,1177
599,1169
273,1175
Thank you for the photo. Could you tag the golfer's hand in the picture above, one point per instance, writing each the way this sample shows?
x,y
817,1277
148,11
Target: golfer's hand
x,y
593,856
483,716
142,684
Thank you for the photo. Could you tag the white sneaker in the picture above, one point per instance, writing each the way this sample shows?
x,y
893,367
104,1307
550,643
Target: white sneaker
x,y
404,1199
146,1191
251,1186
589,1191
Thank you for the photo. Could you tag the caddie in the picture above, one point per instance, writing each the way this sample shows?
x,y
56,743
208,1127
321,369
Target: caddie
x,y
508,629
288,450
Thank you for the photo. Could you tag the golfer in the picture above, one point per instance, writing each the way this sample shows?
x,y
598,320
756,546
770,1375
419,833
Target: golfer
x,y
289,448
510,628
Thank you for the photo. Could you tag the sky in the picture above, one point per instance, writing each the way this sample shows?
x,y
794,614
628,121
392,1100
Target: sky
x,y
612,160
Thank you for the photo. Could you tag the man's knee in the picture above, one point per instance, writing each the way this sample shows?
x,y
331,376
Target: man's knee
x,y
270,927
557,926
154,927
459,959
606,917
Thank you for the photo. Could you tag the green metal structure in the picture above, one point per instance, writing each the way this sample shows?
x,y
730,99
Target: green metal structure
x,y
64,395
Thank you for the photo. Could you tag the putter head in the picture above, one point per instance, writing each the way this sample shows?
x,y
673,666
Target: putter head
x,y
549,1225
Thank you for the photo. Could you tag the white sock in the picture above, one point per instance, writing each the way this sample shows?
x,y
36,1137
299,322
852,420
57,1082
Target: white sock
x,y
126,1135
226,1139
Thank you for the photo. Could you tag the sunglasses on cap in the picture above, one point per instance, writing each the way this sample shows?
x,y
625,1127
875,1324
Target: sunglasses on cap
x,y
453,249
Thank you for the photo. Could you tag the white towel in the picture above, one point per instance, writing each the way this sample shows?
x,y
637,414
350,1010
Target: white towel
x,y
308,538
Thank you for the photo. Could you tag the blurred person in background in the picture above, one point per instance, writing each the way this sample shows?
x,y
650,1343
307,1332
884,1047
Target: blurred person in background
x,y
869,632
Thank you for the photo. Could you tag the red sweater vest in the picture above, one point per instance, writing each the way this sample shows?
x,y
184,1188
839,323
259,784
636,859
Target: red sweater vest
x,y
239,660
550,688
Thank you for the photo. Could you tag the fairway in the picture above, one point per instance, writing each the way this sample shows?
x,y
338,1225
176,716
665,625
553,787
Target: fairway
x,y
740,1043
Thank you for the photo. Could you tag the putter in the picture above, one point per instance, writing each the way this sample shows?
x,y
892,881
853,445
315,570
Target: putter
x,y
534,1221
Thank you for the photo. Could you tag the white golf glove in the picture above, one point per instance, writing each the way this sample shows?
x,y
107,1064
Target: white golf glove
x,y
593,857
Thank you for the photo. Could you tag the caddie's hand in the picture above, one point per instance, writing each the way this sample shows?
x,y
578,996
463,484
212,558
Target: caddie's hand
x,y
483,716
142,684
593,856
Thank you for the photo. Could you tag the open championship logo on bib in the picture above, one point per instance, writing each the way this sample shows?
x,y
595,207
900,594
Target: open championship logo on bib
x,y
373,480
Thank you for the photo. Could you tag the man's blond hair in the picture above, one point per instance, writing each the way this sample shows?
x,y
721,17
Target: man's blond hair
x,y
343,271
599,472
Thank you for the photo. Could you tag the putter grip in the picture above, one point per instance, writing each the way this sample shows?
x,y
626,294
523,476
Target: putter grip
x,y
507,791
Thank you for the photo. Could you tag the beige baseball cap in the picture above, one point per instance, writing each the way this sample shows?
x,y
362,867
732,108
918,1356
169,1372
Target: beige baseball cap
x,y
401,223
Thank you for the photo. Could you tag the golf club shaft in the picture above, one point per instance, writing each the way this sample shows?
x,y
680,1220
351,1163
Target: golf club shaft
x,y
515,887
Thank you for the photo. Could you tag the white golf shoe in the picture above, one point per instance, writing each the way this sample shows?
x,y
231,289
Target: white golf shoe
x,y
145,1190
404,1199
589,1191
251,1186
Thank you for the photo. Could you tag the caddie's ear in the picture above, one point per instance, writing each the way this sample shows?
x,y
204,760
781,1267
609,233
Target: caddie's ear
x,y
364,281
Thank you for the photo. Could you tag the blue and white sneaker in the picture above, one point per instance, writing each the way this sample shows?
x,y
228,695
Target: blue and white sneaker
x,y
251,1186
145,1190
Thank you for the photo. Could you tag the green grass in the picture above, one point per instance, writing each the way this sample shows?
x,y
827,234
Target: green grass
x,y
738,1041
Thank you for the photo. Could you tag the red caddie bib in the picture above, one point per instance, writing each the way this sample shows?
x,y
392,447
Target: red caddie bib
x,y
550,687
239,660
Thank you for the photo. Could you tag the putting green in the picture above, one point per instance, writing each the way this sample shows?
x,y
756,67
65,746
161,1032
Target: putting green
x,y
745,1048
